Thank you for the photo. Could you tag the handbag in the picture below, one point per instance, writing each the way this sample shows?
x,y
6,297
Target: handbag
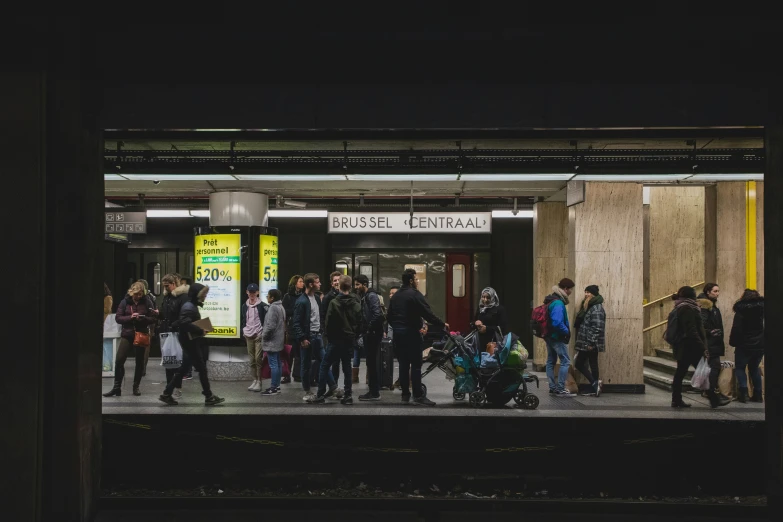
x,y
141,340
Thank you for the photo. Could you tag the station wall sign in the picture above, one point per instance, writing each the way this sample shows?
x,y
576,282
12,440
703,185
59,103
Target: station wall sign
x,y
268,264
125,222
217,265
403,223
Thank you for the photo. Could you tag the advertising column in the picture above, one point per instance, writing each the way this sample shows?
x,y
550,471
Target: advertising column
x,y
217,260
267,266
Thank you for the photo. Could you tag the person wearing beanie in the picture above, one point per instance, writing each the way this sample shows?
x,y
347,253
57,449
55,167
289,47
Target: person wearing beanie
x,y
558,337
590,326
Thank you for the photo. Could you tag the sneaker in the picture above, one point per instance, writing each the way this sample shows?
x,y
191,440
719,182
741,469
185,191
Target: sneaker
x,y
599,385
405,399
271,391
177,394
369,397
331,392
168,399
339,393
188,377
286,380
347,400
680,404
308,396
565,393
213,400
256,387
552,391
424,401
252,387
317,399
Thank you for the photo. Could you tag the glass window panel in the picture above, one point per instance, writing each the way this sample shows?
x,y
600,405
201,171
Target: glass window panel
x,y
366,269
342,267
421,275
458,280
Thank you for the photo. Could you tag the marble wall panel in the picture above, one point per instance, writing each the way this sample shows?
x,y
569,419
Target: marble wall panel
x,y
618,275
622,363
610,218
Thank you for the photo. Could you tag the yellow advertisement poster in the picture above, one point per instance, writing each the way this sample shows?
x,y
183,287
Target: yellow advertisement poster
x,y
217,258
267,266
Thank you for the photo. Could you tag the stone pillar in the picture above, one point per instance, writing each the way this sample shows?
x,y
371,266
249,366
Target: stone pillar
x,y
607,249
676,250
550,259
732,243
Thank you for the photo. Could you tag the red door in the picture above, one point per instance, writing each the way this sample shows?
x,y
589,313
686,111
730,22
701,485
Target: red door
x,y
458,292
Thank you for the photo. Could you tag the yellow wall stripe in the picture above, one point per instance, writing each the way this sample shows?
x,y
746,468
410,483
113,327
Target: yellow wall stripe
x,y
750,235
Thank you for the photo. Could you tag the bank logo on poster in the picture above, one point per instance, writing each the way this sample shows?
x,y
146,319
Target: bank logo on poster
x,y
217,258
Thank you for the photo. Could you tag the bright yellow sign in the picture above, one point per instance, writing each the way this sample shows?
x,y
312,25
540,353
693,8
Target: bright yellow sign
x,y
217,258
267,267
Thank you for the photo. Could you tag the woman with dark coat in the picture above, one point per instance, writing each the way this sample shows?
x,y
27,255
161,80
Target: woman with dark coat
x,y
295,287
490,317
747,337
691,343
590,326
135,315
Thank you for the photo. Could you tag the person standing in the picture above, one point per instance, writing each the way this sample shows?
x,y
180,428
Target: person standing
x,y
590,326
747,337
490,317
273,335
342,324
295,288
372,333
334,291
150,297
108,302
406,310
252,322
175,294
190,336
713,327
135,316
307,331
558,337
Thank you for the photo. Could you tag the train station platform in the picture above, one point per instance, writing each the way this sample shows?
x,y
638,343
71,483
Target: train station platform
x,y
653,404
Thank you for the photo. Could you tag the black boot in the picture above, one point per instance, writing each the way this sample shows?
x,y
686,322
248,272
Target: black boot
x,y
680,404
756,397
742,395
114,392
716,400
136,391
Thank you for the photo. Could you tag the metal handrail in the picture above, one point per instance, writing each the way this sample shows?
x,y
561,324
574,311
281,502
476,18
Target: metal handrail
x,y
653,327
664,298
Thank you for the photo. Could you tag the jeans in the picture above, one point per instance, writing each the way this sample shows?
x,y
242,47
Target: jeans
x,y
714,362
557,349
314,351
275,368
581,361
256,354
356,359
191,355
751,360
690,357
372,350
119,365
337,352
407,347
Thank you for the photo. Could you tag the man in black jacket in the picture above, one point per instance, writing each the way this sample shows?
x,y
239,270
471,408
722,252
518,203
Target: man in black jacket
x,y
406,310
372,334
713,326
334,291
307,329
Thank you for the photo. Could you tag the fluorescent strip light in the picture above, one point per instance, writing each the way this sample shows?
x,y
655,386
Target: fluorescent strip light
x,y
180,177
113,177
510,214
298,213
168,213
727,177
516,177
290,177
199,213
402,177
630,177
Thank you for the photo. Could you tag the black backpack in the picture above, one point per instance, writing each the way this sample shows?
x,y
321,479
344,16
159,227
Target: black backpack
x,y
672,334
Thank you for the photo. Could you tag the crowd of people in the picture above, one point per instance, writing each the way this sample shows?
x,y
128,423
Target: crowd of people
x,y
309,336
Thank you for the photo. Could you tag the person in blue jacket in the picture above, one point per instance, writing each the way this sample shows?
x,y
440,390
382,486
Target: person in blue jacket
x,y
558,337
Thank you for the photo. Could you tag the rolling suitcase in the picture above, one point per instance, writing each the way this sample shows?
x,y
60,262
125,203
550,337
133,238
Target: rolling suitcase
x,y
386,365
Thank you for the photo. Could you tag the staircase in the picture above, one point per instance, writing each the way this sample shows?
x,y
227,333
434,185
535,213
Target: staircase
x,y
659,370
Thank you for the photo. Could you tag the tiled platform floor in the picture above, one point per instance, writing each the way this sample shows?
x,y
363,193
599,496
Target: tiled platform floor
x,y
653,404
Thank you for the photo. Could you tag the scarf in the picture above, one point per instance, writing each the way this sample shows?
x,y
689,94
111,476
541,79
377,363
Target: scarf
x,y
493,299
580,317
679,303
560,292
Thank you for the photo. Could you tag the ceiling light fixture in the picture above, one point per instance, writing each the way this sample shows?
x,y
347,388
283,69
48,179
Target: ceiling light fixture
x,y
402,177
159,213
113,177
298,213
179,177
630,177
516,177
510,214
758,176
290,177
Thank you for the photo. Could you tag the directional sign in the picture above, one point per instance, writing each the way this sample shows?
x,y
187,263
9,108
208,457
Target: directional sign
x,y
125,222
403,223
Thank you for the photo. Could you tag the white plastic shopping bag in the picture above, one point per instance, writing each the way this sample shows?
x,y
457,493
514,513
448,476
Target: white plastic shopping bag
x,y
701,377
171,351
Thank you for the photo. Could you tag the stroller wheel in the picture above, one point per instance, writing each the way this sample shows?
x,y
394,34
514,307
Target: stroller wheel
x,y
423,390
478,399
458,396
519,396
530,402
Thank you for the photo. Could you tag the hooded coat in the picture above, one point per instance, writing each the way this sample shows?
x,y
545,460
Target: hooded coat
x,y
693,339
747,331
343,318
170,306
273,333
591,332
713,321
189,313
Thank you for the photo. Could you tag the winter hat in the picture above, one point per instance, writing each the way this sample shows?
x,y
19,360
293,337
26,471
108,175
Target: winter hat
x,y
566,283
593,289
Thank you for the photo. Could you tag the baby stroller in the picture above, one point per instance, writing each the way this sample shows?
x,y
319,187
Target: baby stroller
x,y
484,378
